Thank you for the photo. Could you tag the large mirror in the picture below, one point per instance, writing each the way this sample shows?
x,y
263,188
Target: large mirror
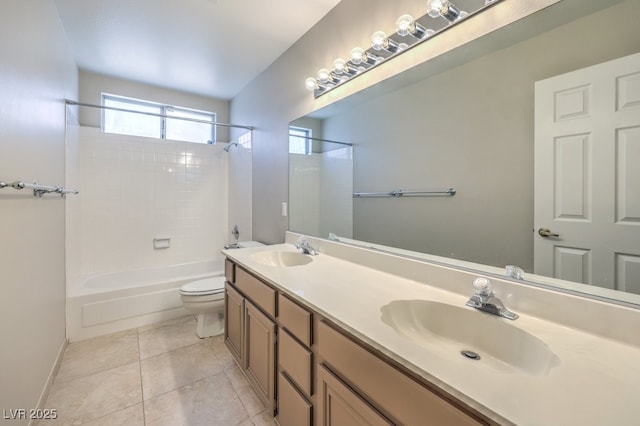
x,y
469,124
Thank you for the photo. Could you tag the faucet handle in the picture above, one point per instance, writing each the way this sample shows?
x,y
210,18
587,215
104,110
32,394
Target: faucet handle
x,y
513,271
482,285
301,242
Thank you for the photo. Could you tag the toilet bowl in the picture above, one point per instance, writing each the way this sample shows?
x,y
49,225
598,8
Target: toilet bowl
x,y
205,298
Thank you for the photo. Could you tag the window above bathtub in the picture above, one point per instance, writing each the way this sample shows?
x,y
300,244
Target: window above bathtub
x,y
154,120
299,140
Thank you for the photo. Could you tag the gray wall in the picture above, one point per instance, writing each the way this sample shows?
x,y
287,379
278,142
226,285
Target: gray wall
x,y
278,96
92,86
37,73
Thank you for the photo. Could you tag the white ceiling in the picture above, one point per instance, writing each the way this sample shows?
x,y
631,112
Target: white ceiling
x,y
211,47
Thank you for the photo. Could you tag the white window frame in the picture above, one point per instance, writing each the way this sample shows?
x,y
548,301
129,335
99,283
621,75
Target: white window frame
x,y
307,134
163,115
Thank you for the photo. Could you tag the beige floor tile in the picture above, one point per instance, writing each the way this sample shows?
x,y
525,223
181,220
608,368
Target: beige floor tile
x,y
172,370
247,395
173,335
98,354
132,416
264,418
222,352
184,318
91,397
210,401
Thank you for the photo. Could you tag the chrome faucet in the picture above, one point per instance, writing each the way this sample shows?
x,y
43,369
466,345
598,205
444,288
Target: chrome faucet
x,y
306,248
485,300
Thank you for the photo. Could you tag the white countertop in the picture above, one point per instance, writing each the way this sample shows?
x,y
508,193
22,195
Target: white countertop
x,y
596,383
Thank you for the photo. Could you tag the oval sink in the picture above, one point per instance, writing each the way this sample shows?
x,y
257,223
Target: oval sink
x,y
442,327
280,258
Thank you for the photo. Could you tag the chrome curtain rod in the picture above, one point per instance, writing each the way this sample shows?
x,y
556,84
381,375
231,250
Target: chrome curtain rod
x,y
153,114
38,190
319,139
400,193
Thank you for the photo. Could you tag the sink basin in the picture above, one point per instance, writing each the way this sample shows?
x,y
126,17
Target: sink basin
x,y
281,258
449,330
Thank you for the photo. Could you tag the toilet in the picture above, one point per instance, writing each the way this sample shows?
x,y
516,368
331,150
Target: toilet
x,y
205,298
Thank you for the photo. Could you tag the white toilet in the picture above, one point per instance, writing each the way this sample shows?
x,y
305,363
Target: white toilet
x,y
205,298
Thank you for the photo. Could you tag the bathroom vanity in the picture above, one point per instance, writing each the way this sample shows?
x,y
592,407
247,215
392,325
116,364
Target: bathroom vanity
x,y
356,336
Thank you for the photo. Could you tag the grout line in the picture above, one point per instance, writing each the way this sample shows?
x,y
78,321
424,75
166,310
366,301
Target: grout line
x,y
184,386
144,418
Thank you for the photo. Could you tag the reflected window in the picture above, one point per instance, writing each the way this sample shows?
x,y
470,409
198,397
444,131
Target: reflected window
x,y
151,121
299,140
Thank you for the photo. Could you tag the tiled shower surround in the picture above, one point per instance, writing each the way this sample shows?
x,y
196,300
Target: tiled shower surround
x,y
135,189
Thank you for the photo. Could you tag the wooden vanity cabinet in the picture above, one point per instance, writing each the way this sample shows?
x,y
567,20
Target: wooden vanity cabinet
x,y
295,364
339,405
260,354
234,322
309,371
351,375
250,332
229,271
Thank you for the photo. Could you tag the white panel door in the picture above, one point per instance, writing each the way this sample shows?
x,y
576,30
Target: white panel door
x,y
587,175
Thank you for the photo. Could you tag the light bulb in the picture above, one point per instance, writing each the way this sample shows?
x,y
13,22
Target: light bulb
x,y
379,40
442,8
339,66
323,76
357,55
405,25
311,84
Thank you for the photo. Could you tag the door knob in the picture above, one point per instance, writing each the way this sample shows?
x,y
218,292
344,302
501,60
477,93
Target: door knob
x,y
546,232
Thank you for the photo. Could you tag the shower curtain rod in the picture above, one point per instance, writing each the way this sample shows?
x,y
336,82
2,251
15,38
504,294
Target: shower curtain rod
x,y
153,114
319,139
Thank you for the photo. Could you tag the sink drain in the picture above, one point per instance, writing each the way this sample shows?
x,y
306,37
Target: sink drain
x,y
470,354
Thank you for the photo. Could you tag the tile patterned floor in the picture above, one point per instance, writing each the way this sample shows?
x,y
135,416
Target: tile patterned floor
x,y
157,375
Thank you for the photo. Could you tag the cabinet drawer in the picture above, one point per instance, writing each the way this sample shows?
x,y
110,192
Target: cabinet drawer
x,y
394,393
293,408
296,360
296,319
230,271
260,293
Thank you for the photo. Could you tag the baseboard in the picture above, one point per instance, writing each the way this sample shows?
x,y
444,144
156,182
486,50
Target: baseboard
x,y
52,375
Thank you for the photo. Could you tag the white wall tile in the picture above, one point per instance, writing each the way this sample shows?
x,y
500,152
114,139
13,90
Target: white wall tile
x,y
135,189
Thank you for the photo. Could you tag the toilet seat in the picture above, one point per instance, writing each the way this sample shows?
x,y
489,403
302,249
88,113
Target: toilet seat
x,y
205,287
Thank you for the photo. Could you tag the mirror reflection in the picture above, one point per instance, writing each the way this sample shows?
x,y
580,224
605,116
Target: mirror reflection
x,y
320,181
476,126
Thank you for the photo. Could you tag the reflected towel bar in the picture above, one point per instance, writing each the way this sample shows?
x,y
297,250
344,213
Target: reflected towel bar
x,y
400,193
38,190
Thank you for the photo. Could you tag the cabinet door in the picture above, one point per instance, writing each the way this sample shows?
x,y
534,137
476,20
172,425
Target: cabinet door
x,y
259,361
234,322
293,407
340,406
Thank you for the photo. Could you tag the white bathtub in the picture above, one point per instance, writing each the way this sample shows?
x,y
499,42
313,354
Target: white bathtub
x,y
106,303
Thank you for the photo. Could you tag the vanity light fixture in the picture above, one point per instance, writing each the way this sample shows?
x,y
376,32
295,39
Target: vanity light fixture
x,y
409,32
444,8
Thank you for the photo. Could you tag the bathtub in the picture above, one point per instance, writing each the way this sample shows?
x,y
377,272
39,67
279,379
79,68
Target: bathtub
x,y
106,303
